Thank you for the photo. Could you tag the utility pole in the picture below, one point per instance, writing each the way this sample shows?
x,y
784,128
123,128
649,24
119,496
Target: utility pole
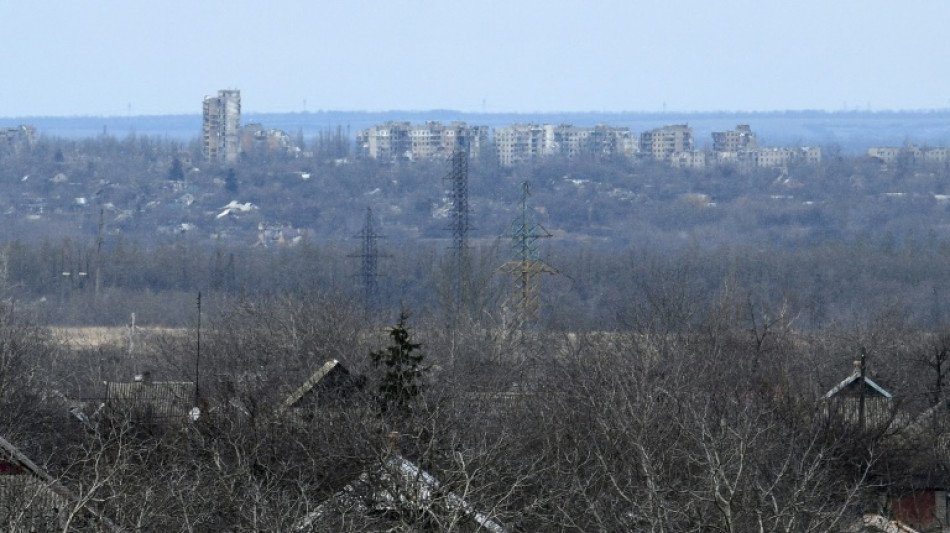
x,y
862,364
198,351
98,256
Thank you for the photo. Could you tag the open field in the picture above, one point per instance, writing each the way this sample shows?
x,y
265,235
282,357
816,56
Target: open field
x,y
92,337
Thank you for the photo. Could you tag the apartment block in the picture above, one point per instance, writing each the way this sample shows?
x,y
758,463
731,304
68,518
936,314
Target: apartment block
x,y
913,154
692,159
740,139
221,125
662,143
402,140
17,137
523,142
609,140
256,139
780,157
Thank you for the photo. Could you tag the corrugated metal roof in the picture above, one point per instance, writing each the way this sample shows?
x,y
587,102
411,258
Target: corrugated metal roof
x,y
162,399
30,504
47,496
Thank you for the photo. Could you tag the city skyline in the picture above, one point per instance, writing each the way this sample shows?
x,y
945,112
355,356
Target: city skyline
x,y
111,58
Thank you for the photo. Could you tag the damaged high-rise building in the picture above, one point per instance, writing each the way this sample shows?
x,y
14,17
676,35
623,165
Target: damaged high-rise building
x,y
221,135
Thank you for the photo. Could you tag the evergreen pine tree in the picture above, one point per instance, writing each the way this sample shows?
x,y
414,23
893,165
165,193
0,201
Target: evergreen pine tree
x,y
177,171
231,182
402,371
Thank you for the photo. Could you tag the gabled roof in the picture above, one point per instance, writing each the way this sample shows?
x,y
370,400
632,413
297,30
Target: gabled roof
x,y
308,385
853,381
331,376
47,490
399,481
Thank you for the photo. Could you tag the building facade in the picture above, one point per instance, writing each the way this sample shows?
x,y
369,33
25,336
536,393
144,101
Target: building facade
x,y
432,140
524,142
781,157
255,139
662,143
692,159
910,154
740,139
18,137
221,131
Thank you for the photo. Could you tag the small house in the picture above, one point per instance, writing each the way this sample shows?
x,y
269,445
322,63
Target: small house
x,y
33,500
144,400
859,400
330,386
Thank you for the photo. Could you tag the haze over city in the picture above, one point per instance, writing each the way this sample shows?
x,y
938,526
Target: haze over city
x,y
114,58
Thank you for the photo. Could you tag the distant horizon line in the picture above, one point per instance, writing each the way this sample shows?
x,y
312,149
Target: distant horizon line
x,y
515,113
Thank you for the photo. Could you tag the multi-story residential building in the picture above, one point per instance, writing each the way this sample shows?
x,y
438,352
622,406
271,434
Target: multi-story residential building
x,y
386,141
662,143
458,135
780,157
256,139
913,154
221,126
402,140
609,140
523,142
885,154
935,155
740,139
691,159
18,137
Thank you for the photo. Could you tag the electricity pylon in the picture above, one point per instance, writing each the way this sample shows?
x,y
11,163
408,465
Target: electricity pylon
x,y
526,266
369,264
458,224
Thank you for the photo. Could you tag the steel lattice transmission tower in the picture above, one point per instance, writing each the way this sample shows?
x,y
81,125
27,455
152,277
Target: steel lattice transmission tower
x,y
526,266
458,219
369,260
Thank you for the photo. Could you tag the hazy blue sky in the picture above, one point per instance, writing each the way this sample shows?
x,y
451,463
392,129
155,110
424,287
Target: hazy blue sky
x,y
113,57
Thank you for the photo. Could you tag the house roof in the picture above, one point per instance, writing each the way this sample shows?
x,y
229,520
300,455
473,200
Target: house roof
x,y
166,399
46,490
308,385
27,501
399,481
852,381
332,380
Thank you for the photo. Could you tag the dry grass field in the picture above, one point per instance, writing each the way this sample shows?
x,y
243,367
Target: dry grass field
x,y
92,337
